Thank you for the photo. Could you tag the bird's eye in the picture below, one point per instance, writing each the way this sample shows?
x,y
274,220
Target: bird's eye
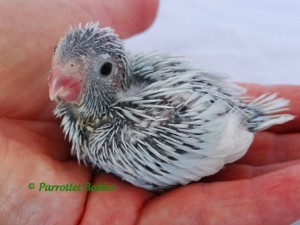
x,y
106,68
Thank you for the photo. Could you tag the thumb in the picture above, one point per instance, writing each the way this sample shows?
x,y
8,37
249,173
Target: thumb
x,y
127,17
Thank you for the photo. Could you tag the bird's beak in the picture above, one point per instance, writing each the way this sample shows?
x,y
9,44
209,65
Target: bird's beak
x,y
64,86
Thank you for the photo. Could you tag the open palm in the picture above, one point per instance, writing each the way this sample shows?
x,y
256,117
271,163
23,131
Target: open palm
x,y
261,188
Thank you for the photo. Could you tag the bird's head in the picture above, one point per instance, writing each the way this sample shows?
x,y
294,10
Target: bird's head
x,y
89,66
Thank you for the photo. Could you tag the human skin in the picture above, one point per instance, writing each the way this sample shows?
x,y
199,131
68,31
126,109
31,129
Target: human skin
x,y
261,188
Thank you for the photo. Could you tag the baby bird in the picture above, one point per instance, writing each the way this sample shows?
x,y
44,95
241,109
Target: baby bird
x,y
151,119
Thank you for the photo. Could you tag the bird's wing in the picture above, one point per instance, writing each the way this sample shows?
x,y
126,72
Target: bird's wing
x,y
151,67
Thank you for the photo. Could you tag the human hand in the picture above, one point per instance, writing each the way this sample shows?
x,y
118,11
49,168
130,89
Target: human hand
x,y
261,188
32,148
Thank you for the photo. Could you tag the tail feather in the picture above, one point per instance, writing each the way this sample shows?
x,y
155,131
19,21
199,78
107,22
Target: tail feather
x,y
264,110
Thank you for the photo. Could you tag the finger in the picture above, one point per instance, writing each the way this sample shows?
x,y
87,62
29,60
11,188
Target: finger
x,y
126,17
238,171
270,148
26,49
269,199
118,206
37,137
289,92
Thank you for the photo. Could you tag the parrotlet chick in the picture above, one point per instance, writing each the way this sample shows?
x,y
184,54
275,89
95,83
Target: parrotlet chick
x,y
152,119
